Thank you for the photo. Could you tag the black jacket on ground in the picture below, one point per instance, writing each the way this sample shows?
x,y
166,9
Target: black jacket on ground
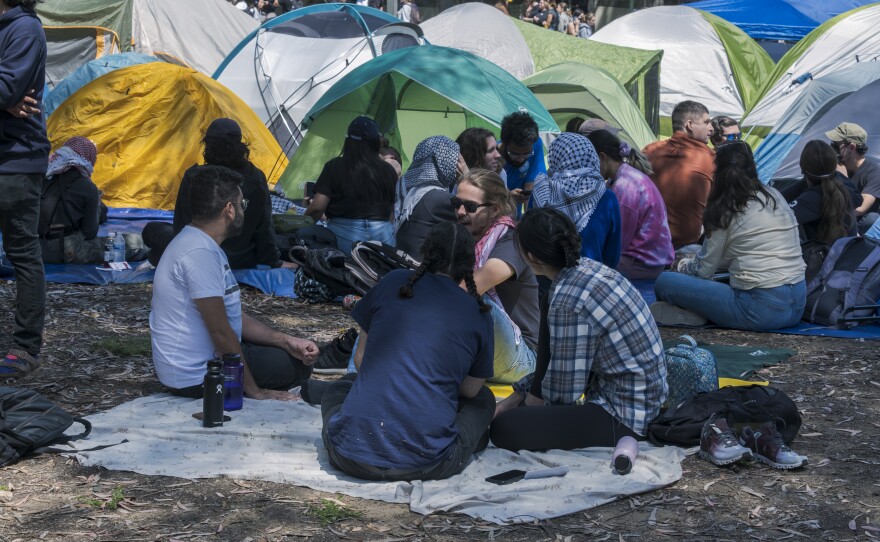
x,y
80,209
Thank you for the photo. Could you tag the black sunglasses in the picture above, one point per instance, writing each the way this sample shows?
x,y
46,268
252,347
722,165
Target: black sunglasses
x,y
469,206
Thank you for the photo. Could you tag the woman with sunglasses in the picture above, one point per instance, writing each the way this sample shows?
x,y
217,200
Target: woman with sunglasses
x,y
574,185
750,230
422,194
596,338
646,243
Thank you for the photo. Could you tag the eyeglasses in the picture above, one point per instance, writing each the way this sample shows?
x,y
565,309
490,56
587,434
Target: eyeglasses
x,y
733,137
520,155
243,203
469,206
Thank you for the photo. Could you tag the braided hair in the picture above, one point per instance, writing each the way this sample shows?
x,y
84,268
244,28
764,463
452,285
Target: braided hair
x,y
550,236
449,250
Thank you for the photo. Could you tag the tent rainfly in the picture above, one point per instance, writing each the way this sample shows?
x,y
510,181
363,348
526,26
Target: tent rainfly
x,y
571,90
412,94
705,58
637,70
147,121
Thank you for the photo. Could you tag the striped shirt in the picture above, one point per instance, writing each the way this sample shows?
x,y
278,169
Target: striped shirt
x,y
598,322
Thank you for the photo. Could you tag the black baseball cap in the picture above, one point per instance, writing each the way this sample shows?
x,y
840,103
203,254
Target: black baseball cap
x,y
363,128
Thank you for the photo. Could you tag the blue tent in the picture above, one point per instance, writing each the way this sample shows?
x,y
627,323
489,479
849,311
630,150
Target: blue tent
x,y
90,71
846,95
788,20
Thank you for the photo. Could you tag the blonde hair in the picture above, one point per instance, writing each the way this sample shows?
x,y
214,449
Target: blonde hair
x,y
494,189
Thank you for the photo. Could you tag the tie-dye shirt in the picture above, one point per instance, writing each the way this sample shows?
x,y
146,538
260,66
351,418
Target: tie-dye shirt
x,y
645,233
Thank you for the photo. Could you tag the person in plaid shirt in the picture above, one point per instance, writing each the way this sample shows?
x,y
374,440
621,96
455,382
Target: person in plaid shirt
x,y
596,338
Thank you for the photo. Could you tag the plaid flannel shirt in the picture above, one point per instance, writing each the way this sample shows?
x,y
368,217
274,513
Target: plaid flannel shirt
x,y
598,321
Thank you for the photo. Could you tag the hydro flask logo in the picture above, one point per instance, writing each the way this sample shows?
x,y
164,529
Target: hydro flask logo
x,y
219,388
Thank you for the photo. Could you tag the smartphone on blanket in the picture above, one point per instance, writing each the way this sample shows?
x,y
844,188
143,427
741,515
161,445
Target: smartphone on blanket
x,y
508,477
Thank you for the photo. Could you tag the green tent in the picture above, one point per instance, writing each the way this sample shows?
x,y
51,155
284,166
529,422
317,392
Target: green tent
x,y
413,93
571,89
637,70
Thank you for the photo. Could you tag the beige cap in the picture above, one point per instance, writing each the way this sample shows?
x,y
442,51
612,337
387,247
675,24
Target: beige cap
x,y
848,131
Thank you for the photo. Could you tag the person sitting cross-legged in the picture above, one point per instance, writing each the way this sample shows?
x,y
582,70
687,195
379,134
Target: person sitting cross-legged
x,y
196,308
597,339
417,407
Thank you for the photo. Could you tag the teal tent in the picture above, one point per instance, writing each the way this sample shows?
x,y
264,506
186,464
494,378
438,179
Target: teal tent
x,y
412,93
571,89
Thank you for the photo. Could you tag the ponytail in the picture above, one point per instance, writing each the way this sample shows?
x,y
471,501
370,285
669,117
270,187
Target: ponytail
x,y
541,224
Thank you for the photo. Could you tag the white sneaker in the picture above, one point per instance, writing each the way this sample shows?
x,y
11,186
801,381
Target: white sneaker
x,y
667,314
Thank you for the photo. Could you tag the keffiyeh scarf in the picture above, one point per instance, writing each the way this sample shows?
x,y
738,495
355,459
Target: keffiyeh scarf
x,y
573,184
77,152
434,167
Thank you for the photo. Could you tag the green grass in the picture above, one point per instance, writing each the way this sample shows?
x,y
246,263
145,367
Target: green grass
x,y
4,488
125,346
112,503
328,512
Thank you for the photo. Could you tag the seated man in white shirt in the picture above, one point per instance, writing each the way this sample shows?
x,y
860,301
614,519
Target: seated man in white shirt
x,y
196,309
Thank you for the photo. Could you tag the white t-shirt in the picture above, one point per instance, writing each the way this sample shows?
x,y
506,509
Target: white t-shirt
x,y
192,267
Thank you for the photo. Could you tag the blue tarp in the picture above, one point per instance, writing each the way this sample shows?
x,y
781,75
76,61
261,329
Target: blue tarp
x,y
278,282
788,20
87,73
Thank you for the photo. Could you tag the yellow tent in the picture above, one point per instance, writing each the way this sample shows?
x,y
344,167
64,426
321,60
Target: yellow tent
x,y
148,121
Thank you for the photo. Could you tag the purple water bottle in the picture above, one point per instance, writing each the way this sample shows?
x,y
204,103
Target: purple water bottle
x,y
624,455
233,376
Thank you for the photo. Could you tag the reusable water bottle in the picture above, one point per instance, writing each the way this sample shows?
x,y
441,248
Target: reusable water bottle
x,y
119,248
624,455
233,376
212,406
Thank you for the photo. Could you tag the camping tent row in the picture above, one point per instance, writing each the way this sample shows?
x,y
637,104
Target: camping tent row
x,y
147,121
412,93
282,68
705,58
195,33
842,42
845,95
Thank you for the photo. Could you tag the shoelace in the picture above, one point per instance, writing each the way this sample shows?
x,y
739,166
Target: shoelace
x,y
726,436
773,437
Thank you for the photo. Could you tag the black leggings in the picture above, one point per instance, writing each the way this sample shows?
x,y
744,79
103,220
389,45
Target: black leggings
x,y
557,428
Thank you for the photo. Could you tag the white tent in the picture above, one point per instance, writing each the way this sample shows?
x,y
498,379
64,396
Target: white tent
x,y
195,33
779,153
484,31
705,58
839,43
283,69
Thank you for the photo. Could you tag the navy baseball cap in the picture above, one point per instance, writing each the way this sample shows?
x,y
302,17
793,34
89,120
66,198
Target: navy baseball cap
x,y
224,129
363,128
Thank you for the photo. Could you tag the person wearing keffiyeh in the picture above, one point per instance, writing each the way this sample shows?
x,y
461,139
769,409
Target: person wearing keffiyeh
x,y
71,201
574,185
422,195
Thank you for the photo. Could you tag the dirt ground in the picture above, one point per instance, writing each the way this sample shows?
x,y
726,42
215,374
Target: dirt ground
x,y
96,356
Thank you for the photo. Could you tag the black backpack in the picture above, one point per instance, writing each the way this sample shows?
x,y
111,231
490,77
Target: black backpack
x,y
327,266
314,237
29,423
740,405
845,291
372,260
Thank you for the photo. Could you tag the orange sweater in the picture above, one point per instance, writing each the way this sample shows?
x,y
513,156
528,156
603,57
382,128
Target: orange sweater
x,y
683,170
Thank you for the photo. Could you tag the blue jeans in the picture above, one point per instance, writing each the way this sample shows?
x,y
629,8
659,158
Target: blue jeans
x,y
19,218
511,361
759,309
350,230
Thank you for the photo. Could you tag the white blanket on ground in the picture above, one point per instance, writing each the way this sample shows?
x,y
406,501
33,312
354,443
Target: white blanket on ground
x,y
281,442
